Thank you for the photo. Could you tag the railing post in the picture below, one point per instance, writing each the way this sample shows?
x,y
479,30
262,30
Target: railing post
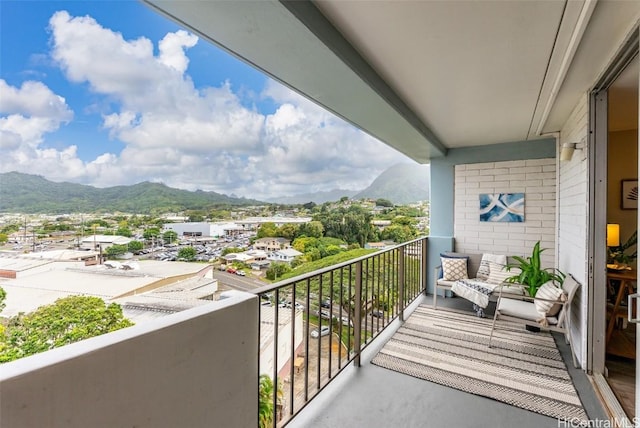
x,y
401,299
424,269
357,314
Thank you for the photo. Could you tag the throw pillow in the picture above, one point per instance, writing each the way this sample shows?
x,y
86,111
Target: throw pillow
x,y
484,269
451,256
454,269
549,291
498,273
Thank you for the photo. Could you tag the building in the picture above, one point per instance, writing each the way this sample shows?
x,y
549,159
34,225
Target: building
x,y
205,229
284,256
95,242
253,223
271,244
42,282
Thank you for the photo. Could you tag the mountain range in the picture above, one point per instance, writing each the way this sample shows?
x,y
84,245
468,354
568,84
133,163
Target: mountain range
x,y
401,184
26,193
34,194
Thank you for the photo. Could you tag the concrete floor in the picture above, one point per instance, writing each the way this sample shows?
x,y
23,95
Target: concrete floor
x,y
371,396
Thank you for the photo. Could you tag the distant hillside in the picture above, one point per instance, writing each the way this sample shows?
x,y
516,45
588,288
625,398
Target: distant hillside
x,y
35,194
317,197
401,184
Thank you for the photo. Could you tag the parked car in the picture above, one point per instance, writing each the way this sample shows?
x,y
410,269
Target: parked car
x,y
232,270
377,314
241,273
326,303
325,314
324,331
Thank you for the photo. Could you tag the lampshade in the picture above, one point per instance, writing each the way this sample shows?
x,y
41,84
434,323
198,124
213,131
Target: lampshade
x,y
613,235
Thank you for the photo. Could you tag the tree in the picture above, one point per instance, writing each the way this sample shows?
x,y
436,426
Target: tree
x,y
398,233
187,253
196,216
135,246
169,236
115,250
267,230
266,409
313,229
3,295
276,270
288,231
124,231
384,203
68,320
3,238
151,233
332,250
352,224
404,221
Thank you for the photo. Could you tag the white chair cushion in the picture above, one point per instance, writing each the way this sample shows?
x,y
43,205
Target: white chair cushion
x,y
516,289
522,309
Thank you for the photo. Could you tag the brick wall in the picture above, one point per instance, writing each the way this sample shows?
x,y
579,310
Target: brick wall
x,y
573,215
536,178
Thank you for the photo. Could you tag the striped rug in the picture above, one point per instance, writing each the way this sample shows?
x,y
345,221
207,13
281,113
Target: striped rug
x,y
522,369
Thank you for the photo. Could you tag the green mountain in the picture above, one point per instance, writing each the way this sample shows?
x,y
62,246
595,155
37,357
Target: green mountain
x,y
317,197
401,184
34,194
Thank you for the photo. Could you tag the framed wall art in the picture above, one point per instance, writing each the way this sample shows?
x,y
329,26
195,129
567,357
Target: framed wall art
x,y
502,207
630,194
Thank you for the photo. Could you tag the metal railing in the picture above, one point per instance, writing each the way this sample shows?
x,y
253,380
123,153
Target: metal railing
x,y
315,324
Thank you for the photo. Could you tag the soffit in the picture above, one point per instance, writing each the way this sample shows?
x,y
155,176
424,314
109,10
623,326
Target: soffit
x,y
472,71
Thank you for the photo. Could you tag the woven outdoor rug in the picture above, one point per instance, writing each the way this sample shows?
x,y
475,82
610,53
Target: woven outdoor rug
x,y
522,369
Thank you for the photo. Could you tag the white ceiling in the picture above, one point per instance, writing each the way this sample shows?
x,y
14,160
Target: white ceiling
x,y
425,76
465,67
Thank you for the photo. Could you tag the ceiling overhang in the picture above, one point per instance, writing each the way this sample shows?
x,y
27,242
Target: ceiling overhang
x,y
424,76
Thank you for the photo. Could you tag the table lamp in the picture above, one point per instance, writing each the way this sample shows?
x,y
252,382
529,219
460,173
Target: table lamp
x,y
613,235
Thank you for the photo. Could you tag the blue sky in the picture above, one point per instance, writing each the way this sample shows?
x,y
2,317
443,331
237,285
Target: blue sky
x,y
109,93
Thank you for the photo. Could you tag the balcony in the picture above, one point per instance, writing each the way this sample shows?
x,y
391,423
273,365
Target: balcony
x,y
200,367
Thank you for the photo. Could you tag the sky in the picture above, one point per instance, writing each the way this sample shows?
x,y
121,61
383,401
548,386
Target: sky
x,y
110,93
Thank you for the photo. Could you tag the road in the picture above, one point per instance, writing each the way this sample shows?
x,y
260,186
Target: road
x,y
237,282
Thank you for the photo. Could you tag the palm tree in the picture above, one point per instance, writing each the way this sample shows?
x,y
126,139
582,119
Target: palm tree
x,y
266,410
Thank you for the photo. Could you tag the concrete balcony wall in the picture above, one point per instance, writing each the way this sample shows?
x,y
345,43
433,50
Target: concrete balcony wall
x,y
197,368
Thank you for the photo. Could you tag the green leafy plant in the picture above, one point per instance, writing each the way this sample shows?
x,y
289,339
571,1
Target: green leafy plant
x,y
532,275
618,254
266,409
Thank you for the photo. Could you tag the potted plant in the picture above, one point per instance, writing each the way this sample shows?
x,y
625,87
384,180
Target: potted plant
x,y
618,255
532,275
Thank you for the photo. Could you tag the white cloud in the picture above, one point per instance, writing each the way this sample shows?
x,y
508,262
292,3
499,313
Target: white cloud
x,y
172,50
188,137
